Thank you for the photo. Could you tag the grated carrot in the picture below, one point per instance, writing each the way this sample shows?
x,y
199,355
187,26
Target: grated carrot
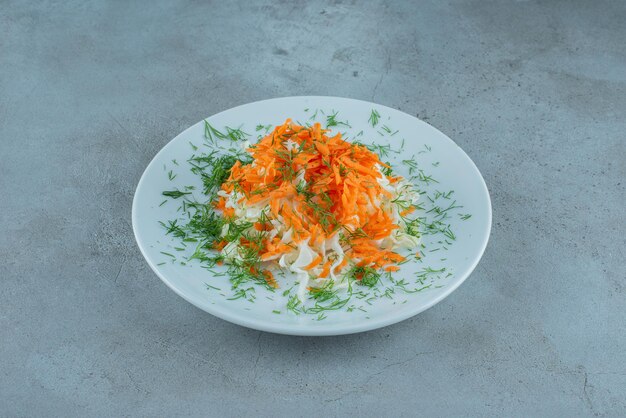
x,y
339,186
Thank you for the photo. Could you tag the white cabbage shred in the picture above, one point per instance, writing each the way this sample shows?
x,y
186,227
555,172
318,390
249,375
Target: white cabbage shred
x,y
330,249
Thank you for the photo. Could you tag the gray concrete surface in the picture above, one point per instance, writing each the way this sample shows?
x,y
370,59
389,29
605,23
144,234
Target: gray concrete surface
x,y
535,92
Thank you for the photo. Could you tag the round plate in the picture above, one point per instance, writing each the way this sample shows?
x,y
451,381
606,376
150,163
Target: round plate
x,y
457,212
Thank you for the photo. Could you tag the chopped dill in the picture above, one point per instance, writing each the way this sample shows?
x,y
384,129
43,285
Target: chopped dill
x,y
232,134
411,164
374,116
174,194
293,303
367,276
241,293
331,120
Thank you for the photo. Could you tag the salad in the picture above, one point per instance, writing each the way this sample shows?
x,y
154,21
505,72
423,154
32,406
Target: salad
x,y
323,208
305,211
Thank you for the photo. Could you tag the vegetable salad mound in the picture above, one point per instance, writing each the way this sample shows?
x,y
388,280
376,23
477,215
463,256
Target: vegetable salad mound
x,y
309,202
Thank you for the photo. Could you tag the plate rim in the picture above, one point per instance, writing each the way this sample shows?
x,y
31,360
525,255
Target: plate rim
x,y
318,330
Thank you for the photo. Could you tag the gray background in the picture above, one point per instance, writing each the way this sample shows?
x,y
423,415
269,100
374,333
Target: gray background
x,y
535,92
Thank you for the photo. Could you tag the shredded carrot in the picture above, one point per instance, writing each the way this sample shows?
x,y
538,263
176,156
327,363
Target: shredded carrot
x,y
314,263
262,226
341,265
269,278
220,245
408,210
316,186
325,270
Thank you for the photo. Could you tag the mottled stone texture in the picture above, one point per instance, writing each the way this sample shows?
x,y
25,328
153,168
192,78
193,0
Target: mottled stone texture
x,y
534,91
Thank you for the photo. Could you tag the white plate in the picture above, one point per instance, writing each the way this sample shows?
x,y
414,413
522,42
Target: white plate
x,y
436,155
